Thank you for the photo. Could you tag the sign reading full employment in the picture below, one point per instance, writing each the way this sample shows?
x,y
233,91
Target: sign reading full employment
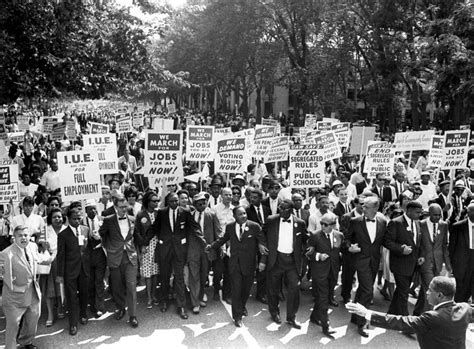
x,y
163,152
9,182
199,145
380,159
416,140
80,177
306,166
456,147
436,156
231,155
106,147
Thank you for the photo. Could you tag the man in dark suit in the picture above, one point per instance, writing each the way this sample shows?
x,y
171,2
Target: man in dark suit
x,y
98,260
443,201
299,211
117,238
348,268
461,252
272,200
383,191
443,327
245,237
73,268
403,240
198,261
324,256
174,225
399,185
364,239
434,247
343,206
285,235
259,213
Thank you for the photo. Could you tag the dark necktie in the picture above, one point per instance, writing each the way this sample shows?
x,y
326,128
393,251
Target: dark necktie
x,y
174,220
215,201
298,213
240,232
122,218
27,258
328,236
434,231
260,218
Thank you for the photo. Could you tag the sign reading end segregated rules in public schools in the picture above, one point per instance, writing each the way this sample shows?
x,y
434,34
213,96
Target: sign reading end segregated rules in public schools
x,y
8,182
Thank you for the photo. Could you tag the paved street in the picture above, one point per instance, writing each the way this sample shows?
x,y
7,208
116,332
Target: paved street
x,y
213,328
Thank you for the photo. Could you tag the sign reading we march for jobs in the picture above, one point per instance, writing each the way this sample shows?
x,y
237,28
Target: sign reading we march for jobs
x,y
163,153
199,144
456,148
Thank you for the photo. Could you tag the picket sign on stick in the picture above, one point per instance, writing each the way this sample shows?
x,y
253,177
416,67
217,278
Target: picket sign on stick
x,y
451,184
361,150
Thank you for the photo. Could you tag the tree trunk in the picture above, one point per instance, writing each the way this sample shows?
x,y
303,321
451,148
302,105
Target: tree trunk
x,y
258,105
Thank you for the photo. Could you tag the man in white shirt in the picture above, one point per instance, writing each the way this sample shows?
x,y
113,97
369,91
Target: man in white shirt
x,y
429,190
129,159
50,179
27,188
33,221
314,220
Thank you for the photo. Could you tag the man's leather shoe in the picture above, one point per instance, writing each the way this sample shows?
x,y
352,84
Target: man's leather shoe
x,y
238,323
83,321
276,318
119,313
73,330
294,324
332,302
98,314
228,300
385,294
163,307
133,321
28,346
328,332
182,313
196,310
245,312
262,299
362,331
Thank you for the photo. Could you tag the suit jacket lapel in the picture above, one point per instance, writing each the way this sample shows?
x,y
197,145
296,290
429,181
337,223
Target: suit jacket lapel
x,y
364,227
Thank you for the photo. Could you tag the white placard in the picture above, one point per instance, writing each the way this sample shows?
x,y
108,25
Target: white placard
x,y
199,143
380,159
106,147
307,167
456,148
415,140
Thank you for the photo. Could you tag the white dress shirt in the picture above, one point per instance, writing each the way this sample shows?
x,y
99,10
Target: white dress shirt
x,y
273,205
123,224
372,229
239,229
410,224
285,237
172,217
433,230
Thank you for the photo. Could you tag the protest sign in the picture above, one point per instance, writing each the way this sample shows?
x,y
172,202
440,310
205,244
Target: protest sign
x,y
199,143
137,120
323,125
9,182
329,143
71,130
248,134
262,140
58,132
380,159
270,122
105,145
222,131
80,175
96,128
48,124
415,140
342,131
16,137
278,150
171,108
360,136
163,153
310,121
436,155
456,148
123,124
23,122
161,124
306,166
231,156
332,119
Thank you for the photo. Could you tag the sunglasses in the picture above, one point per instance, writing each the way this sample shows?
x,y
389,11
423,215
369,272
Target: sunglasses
x,y
326,224
155,200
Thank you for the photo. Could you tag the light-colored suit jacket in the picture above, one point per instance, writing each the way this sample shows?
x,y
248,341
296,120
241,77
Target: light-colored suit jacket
x,y
19,281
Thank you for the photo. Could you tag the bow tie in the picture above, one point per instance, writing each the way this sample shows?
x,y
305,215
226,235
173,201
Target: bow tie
x,y
370,220
286,220
122,218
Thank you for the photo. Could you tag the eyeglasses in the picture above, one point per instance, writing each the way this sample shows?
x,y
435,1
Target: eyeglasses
x,y
235,193
155,200
326,224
